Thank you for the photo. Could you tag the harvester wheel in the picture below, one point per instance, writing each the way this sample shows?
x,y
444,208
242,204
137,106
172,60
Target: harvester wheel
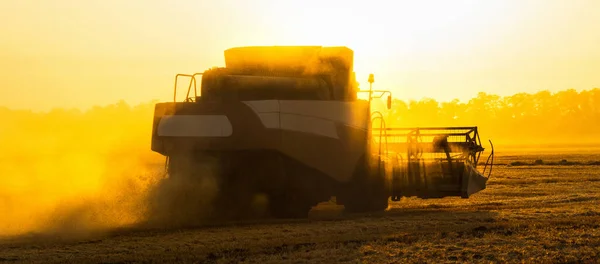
x,y
181,198
234,201
367,192
288,206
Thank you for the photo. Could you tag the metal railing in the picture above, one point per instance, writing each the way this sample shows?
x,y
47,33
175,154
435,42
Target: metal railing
x,y
461,143
192,82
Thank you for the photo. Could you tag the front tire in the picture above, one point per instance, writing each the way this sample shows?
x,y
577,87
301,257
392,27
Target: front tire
x,y
367,191
288,206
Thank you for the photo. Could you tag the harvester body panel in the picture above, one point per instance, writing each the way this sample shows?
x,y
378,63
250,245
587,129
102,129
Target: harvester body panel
x,y
327,136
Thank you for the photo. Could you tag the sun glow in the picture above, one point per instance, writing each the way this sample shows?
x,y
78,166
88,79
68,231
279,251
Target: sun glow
x,y
79,54
387,36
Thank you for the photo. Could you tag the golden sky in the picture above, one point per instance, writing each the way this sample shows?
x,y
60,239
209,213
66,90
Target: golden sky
x,y
76,53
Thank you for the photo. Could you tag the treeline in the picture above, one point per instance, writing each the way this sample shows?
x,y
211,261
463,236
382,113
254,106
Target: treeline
x,y
564,117
108,129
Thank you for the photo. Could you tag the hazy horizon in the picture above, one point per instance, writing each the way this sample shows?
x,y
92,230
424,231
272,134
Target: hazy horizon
x,y
72,54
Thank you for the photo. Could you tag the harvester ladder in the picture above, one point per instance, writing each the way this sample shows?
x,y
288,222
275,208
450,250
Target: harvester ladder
x,y
377,116
382,132
193,83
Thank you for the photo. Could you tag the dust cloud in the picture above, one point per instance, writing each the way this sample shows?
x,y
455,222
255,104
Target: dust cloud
x,y
73,173
183,201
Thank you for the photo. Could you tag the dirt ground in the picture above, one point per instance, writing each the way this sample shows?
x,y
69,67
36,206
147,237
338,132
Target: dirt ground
x,y
528,213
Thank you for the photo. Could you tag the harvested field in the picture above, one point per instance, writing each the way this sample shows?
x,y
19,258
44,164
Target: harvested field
x,y
531,213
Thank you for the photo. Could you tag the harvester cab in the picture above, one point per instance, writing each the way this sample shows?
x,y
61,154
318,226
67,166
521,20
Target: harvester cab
x,y
287,122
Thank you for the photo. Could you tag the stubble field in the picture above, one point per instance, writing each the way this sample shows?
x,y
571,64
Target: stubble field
x,y
533,213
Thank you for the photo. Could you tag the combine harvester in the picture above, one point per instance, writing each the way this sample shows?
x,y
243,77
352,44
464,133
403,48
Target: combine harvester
x,y
287,122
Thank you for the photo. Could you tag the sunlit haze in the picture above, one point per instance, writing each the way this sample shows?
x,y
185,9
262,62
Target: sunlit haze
x,y
89,157
84,53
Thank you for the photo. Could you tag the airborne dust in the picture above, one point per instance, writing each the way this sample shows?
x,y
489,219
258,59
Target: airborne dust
x,y
75,173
